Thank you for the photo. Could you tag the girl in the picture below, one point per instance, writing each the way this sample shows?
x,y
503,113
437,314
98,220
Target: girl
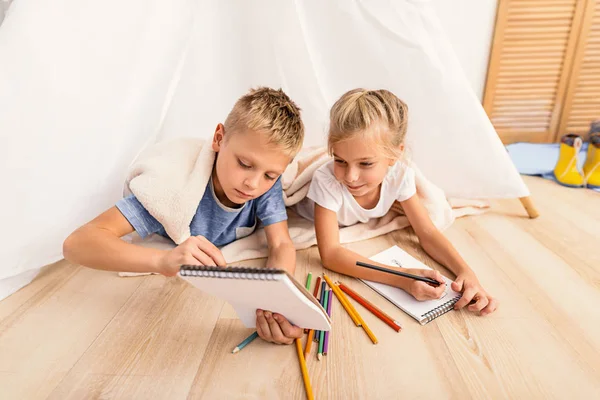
x,y
365,178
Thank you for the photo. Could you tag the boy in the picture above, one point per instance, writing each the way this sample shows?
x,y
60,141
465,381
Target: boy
x,y
260,137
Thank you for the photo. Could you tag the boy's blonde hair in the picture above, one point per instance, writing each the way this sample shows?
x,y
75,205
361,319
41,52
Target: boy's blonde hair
x,y
372,114
270,112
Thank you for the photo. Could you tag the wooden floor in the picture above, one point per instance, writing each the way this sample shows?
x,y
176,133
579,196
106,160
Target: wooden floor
x,y
78,333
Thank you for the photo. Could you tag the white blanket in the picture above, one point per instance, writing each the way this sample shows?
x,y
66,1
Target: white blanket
x,y
169,179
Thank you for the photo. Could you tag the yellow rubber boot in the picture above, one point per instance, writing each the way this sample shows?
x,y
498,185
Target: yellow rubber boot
x,y
591,168
566,171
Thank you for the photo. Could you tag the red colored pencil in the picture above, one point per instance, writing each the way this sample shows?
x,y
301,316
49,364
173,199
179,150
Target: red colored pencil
x,y
376,311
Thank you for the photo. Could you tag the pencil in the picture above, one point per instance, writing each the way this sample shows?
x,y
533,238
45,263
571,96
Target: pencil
x,y
305,378
245,342
322,302
361,321
308,279
342,299
322,333
311,333
328,333
369,306
399,273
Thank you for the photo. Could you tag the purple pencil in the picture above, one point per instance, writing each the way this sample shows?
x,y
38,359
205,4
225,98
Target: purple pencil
x,y
327,333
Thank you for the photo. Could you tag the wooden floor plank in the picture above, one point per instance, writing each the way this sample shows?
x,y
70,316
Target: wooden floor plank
x,y
44,337
159,336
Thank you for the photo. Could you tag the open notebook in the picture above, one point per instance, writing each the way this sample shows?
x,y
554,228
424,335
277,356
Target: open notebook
x,y
422,311
248,289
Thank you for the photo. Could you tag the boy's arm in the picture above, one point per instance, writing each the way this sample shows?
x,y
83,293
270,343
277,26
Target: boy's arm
x,y
282,253
98,245
440,249
341,260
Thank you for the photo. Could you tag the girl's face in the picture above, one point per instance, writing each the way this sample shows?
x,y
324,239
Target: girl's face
x,y
360,165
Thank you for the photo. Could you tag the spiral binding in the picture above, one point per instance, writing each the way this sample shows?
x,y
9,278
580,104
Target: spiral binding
x,y
262,274
440,310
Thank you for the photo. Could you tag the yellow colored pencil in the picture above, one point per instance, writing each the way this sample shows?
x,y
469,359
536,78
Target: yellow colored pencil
x,y
352,309
305,377
342,299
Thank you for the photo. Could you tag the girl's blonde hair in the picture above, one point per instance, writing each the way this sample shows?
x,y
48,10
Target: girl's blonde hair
x,y
372,114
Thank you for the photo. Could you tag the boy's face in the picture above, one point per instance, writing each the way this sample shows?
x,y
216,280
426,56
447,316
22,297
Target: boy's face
x,y
247,165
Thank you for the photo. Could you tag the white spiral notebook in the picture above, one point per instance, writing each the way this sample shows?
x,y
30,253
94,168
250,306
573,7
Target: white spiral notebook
x,y
422,311
248,289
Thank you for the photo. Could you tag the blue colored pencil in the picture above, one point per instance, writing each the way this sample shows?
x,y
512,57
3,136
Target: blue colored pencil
x,y
245,342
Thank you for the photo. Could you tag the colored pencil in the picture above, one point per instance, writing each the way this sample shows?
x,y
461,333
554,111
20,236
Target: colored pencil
x,y
369,306
311,333
328,333
342,299
361,321
245,342
322,333
322,302
399,273
305,378
308,279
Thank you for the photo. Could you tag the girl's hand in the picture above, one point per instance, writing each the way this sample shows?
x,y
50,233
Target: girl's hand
x,y
275,328
197,250
471,289
422,290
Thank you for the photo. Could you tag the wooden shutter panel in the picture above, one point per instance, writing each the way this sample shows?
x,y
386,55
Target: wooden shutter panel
x,y
582,103
527,75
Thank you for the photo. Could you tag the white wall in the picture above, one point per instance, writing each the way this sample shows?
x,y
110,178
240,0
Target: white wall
x,y
470,27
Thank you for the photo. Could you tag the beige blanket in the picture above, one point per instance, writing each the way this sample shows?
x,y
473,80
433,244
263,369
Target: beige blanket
x,y
169,179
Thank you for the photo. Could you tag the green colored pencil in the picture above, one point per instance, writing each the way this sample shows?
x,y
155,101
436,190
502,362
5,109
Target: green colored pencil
x,y
322,333
308,279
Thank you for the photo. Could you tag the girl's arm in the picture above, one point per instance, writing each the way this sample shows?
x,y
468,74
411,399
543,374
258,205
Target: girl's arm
x,y
339,259
441,250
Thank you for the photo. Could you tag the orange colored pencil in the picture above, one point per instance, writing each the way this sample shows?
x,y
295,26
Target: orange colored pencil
x,y
311,333
369,306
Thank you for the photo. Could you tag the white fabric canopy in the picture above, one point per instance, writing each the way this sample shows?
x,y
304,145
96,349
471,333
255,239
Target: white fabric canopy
x,y
85,85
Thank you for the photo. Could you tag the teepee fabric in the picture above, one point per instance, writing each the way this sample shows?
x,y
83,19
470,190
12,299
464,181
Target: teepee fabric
x,y
85,85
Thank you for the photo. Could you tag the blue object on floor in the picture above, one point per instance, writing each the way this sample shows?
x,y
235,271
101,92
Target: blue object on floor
x,y
539,158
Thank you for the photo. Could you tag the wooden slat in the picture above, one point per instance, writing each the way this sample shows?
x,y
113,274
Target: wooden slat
x,y
527,75
582,102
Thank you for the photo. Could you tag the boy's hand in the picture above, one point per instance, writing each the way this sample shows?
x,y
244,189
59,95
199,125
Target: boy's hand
x,y
423,291
275,328
197,250
471,289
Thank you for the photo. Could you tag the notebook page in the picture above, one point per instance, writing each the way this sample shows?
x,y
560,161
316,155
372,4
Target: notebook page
x,y
395,256
280,296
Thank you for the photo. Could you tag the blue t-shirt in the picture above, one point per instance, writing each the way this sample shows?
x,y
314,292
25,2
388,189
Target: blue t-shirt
x,y
213,220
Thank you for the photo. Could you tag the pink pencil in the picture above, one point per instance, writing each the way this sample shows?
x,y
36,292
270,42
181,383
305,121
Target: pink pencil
x,y
327,333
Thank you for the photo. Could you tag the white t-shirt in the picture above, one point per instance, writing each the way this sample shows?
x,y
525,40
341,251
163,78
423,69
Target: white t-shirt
x,y
326,191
